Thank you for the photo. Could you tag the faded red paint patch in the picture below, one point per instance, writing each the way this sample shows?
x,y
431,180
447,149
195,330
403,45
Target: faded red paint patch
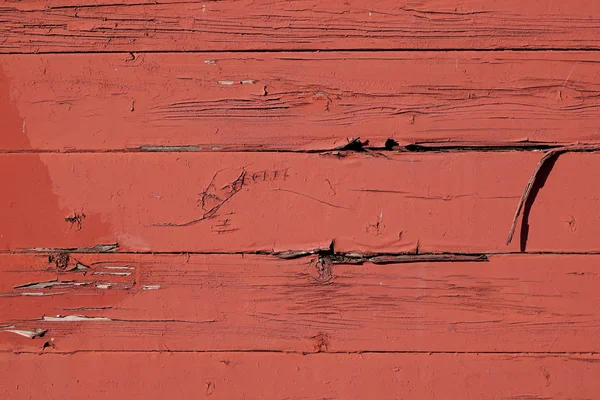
x,y
29,175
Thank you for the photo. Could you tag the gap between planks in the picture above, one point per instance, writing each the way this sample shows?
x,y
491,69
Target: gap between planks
x,y
366,149
305,253
308,353
318,50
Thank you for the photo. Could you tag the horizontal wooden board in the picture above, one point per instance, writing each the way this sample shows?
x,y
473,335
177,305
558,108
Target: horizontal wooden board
x,y
291,101
289,376
518,303
234,202
128,25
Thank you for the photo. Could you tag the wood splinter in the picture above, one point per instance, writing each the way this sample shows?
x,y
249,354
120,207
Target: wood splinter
x,y
551,155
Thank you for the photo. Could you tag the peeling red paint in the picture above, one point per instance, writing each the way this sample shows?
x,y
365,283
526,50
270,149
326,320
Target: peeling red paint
x,y
142,25
299,199
303,101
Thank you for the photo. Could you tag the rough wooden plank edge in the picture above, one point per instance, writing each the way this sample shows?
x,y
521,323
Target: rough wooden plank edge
x,y
62,256
355,145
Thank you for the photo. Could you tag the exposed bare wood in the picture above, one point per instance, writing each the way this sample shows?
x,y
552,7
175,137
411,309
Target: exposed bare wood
x,y
521,303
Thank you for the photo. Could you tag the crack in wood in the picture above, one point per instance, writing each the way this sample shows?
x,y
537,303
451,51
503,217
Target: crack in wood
x,y
537,179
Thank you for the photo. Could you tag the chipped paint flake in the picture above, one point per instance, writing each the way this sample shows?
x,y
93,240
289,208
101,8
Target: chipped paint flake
x,y
159,149
73,318
103,286
49,284
31,334
151,287
41,294
111,273
226,82
82,268
99,248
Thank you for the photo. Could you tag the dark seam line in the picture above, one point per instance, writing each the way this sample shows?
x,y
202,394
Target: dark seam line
x,y
312,50
319,353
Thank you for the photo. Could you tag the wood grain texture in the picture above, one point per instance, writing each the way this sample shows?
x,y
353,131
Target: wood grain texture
x,y
291,101
234,202
226,199
315,377
118,302
127,25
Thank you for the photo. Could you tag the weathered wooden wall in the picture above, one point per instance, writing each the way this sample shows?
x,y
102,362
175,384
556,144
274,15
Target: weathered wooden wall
x,y
299,199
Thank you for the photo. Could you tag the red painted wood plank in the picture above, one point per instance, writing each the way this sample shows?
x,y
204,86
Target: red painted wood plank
x,y
343,376
525,303
260,201
226,202
293,101
92,25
